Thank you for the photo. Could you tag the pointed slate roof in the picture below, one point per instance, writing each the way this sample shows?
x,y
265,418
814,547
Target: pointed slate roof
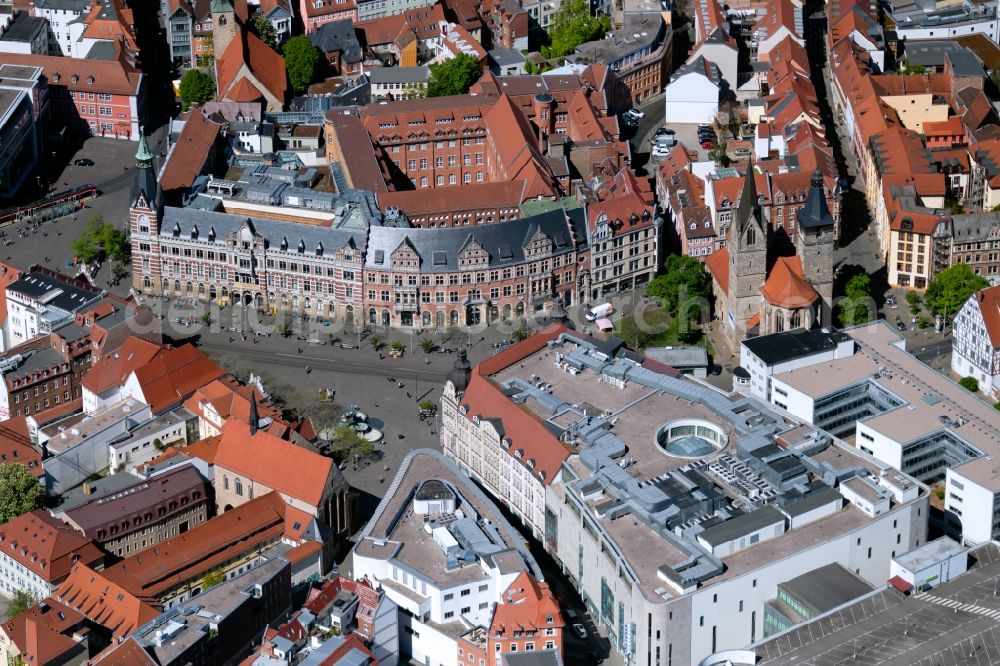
x,y
749,208
815,214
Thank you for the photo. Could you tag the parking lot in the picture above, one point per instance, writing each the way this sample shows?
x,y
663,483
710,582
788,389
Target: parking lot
x,y
953,623
686,135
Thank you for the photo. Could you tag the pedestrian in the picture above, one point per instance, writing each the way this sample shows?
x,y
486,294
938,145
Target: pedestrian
x,y
375,405
381,479
385,467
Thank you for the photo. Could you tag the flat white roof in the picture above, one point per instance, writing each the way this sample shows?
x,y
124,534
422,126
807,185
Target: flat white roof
x,y
929,554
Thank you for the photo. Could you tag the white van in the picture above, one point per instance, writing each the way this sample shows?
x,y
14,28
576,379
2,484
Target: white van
x,y
600,311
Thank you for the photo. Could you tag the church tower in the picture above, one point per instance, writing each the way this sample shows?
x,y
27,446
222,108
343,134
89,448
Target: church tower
x,y
814,244
747,245
223,30
144,219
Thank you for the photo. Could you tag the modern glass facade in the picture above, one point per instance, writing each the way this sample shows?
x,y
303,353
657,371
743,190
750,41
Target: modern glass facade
x,y
837,413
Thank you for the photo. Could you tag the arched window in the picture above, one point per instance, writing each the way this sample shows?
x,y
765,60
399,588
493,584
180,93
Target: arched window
x,y
239,487
751,236
796,319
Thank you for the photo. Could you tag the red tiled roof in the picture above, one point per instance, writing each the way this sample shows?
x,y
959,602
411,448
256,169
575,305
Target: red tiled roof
x,y
329,7
128,653
273,462
263,62
8,275
524,606
103,601
203,449
517,150
185,557
989,306
787,287
483,399
109,76
244,91
626,213
900,584
717,264
174,375
15,445
188,156
114,369
45,546
438,200
53,624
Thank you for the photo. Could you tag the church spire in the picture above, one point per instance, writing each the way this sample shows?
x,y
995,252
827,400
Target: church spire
x,y
748,200
143,156
254,419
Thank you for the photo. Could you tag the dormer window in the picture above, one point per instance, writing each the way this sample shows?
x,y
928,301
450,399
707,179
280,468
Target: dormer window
x,y
194,232
319,249
211,234
177,229
284,244
74,78
56,77
302,246
90,80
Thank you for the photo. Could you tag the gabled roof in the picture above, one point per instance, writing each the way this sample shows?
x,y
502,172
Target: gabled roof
x,y
173,375
53,625
103,602
483,399
45,546
83,74
155,570
189,155
717,264
275,463
525,606
787,287
263,62
338,36
517,149
16,447
988,301
114,369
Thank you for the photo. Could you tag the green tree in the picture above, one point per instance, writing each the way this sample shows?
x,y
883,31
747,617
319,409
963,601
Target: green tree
x,y
212,578
719,154
118,271
970,384
20,492
454,76
196,87
952,287
376,342
20,602
520,334
683,277
301,60
855,308
345,443
100,239
261,27
428,345
284,326
573,25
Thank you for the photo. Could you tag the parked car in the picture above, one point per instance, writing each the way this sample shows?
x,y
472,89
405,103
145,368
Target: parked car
x,y
83,161
580,630
741,152
664,131
637,113
708,145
